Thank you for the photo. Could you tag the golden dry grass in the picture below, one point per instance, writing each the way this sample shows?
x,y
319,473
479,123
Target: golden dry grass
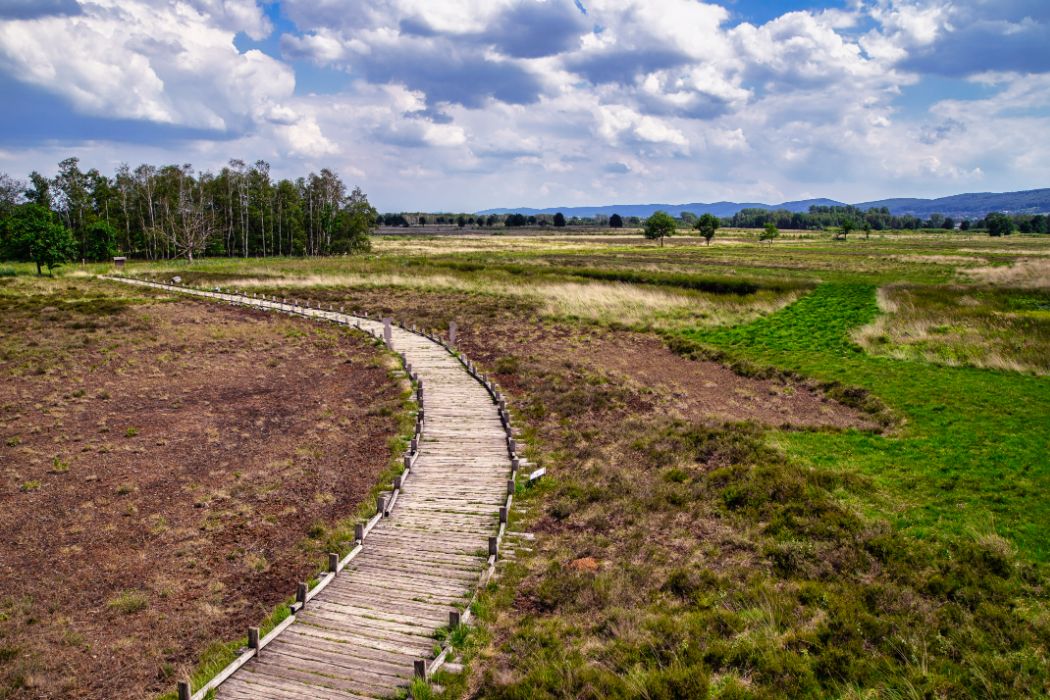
x,y
962,333
1028,273
624,303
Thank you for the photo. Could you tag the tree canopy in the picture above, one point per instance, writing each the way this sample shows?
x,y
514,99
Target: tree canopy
x,y
769,232
559,219
615,221
707,224
999,224
659,226
32,233
174,211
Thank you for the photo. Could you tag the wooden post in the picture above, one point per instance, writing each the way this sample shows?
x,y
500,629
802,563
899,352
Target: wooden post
x,y
381,505
512,445
419,666
453,619
388,333
300,594
510,487
493,545
184,690
359,532
398,480
451,332
253,638
515,464
408,460
333,562
503,515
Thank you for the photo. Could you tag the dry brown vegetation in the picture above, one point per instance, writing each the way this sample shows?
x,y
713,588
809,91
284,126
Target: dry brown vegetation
x,y
997,328
1031,273
169,472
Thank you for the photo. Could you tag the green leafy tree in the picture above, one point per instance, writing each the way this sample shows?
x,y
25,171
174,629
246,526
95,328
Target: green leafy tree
x,y
846,226
353,224
769,232
32,234
999,224
707,224
659,226
867,230
559,220
615,221
100,241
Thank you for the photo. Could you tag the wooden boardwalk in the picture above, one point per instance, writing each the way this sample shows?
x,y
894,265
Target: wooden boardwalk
x,y
364,635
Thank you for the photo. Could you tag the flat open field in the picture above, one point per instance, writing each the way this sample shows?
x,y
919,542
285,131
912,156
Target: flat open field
x,y
808,469
170,470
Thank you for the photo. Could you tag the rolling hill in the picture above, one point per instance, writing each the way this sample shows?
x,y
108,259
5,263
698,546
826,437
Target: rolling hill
x,y
971,205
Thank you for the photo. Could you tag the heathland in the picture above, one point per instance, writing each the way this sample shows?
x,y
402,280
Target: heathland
x,y
811,468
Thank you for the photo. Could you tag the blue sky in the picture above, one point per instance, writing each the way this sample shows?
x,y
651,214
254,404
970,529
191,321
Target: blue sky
x,y
468,104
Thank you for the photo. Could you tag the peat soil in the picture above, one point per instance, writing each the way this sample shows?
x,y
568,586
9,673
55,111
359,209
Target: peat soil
x,y
510,339
167,471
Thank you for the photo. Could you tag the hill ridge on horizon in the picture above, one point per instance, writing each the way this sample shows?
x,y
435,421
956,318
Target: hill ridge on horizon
x,y
972,204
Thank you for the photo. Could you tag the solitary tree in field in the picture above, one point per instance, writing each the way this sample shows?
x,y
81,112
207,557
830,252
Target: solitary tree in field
x,y
32,234
659,226
867,230
707,225
559,219
846,227
999,224
615,221
769,232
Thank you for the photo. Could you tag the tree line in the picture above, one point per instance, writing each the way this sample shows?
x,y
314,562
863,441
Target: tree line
x,y
878,219
173,211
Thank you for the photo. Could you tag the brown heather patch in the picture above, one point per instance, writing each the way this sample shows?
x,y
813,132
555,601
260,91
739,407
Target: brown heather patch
x,y
182,451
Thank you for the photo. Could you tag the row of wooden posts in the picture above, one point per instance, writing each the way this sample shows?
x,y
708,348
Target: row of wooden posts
x,y
384,504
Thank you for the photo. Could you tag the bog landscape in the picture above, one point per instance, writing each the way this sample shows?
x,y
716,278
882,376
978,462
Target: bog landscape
x,y
266,433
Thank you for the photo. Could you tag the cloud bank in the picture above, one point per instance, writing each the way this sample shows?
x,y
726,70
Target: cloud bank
x,y
461,104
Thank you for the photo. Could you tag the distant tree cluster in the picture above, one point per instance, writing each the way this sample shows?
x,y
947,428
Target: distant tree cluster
x,y
172,211
848,219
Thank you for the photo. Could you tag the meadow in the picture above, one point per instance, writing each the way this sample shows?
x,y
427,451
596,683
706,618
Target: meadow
x,y
812,468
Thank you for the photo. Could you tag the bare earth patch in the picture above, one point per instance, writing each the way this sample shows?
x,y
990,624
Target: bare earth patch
x,y
162,466
508,335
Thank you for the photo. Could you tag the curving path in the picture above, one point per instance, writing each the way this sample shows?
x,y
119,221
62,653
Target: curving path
x,y
371,628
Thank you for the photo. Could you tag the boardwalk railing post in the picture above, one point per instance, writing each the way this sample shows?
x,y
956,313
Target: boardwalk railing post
x,y
453,619
253,639
493,545
388,333
184,690
300,594
451,332
333,562
359,532
420,668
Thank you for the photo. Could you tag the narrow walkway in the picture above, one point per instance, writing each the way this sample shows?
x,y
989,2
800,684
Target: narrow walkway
x,y
362,634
